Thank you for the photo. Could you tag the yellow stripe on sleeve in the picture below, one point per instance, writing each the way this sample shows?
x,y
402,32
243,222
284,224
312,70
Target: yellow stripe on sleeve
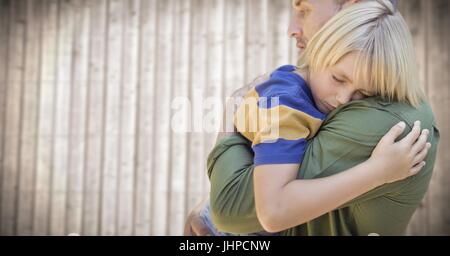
x,y
265,125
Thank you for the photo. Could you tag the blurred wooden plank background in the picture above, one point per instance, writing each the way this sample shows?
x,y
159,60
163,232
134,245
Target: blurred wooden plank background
x,y
87,140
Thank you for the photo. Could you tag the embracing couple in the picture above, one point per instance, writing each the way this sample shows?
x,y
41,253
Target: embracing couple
x,y
349,144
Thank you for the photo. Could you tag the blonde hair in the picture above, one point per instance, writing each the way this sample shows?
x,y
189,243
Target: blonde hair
x,y
386,62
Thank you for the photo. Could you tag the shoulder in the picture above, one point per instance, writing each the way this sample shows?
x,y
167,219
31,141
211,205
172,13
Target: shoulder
x,y
287,88
374,117
284,81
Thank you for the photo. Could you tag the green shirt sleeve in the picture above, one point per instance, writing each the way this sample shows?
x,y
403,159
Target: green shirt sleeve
x,y
346,139
230,169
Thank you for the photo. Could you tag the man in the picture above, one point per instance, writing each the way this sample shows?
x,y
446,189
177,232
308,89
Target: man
x,y
347,138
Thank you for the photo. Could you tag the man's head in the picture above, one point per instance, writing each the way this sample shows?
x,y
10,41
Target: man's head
x,y
308,16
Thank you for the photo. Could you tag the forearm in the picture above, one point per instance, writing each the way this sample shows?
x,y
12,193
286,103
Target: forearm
x,y
300,201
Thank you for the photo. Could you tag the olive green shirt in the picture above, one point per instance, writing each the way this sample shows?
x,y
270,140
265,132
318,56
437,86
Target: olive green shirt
x,y
347,138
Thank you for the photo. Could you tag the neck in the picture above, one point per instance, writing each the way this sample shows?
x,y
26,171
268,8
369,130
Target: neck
x,y
304,73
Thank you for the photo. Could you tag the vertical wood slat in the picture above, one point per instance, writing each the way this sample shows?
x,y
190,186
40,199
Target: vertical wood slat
x,y
29,118
161,122
234,58
444,206
77,125
146,112
179,118
257,36
278,42
95,112
197,83
131,12
13,115
4,45
62,117
111,156
47,82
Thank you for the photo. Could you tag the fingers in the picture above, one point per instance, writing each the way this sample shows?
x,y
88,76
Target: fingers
x,y
394,133
416,169
421,143
413,135
420,157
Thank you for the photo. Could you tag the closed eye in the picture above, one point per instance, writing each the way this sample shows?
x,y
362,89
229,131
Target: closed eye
x,y
338,80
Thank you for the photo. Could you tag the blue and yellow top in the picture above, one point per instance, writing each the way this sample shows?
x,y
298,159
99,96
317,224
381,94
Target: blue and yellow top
x,y
278,117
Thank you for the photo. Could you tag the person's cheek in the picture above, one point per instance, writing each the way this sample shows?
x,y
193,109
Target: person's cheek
x,y
327,88
330,92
